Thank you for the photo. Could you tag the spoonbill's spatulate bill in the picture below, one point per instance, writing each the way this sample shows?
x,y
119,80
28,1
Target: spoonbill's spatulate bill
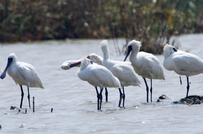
x,y
66,65
145,64
98,76
93,57
182,63
23,74
122,70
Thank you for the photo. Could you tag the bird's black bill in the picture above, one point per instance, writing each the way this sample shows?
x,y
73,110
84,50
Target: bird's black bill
x,y
74,64
3,75
128,52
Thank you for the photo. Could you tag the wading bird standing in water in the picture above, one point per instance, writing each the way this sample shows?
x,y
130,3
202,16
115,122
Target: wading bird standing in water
x,y
145,64
93,57
23,74
182,63
122,70
96,75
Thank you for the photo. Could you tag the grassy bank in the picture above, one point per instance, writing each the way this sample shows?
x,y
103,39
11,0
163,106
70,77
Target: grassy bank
x,y
150,21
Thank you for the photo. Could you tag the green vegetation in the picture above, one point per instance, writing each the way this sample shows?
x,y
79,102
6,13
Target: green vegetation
x,y
152,22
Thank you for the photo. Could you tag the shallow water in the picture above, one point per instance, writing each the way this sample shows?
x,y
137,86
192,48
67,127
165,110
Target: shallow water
x,y
74,101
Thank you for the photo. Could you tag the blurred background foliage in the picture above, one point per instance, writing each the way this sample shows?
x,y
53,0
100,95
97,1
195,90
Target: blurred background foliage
x,y
153,22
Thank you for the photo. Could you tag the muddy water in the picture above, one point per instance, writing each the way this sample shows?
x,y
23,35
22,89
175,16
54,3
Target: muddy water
x,y
74,101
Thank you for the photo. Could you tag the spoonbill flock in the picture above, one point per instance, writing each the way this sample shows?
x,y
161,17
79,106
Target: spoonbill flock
x,y
107,73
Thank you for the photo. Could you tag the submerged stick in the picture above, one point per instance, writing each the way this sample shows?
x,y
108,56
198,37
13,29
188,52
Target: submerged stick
x,y
33,104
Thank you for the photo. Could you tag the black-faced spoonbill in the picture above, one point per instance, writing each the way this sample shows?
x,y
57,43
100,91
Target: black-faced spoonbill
x,y
145,64
182,63
98,76
23,74
122,70
93,57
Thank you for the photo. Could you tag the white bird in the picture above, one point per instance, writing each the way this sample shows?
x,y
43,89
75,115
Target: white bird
x,y
182,63
145,64
96,75
23,74
122,70
93,57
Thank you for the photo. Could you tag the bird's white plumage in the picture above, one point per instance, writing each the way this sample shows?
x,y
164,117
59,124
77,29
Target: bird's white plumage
x,y
123,71
23,73
97,75
95,58
145,64
182,63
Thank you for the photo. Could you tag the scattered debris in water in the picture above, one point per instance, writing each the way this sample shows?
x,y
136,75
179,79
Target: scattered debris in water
x,y
22,126
13,108
190,100
162,97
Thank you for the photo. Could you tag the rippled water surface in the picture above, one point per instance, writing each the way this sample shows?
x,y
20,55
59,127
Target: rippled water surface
x,y
74,101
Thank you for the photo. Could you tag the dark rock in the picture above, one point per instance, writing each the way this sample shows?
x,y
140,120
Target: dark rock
x,y
162,98
190,100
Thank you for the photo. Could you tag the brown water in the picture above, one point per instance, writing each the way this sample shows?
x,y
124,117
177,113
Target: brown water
x,y
74,101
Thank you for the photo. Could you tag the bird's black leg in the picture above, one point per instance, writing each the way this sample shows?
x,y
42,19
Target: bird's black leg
x,y
147,89
188,86
97,98
123,96
151,90
180,80
106,93
28,96
119,104
100,96
22,95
